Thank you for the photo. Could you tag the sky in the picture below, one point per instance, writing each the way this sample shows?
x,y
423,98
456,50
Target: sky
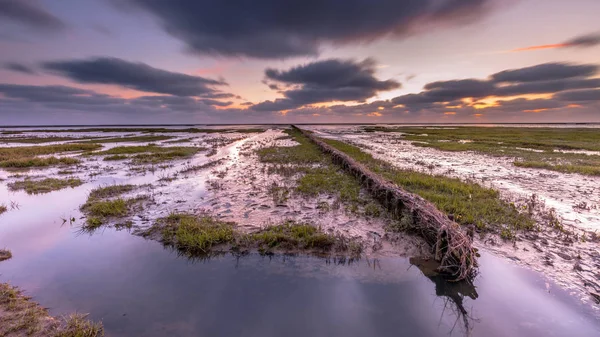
x,y
298,61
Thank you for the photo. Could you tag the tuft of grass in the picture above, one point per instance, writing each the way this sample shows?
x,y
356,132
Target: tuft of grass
x,y
5,254
116,157
110,191
23,317
292,236
37,162
3,209
77,325
202,235
99,209
47,185
468,203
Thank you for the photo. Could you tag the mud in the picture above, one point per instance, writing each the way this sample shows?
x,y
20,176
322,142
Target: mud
x,y
571,260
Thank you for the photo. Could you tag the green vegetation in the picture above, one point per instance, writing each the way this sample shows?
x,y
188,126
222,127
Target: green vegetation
x,y
116,157
132,139
37,140
23,317
149,154
99,209
26,156
329,180
318,175
468,203
152,130
110,191
203,235
44,186
531,147
5,254
304,153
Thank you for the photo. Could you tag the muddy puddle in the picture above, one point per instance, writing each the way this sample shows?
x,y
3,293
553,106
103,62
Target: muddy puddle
x,y
137,287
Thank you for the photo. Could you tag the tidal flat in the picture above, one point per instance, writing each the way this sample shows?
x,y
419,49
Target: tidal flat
x,y
129,226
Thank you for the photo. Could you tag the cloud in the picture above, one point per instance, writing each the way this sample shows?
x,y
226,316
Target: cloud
x,y
584,41
558,79
138,76
545,72
18,67
280,29
27,13
326,81
579,95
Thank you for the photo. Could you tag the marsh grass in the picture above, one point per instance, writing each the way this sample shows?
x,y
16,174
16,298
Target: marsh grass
x,y
110,191
39,140
204,235
329,180
104,204
27,156
148,154
31,186
304,153
3,209
466,202
23,317
152,130
532,147
131,139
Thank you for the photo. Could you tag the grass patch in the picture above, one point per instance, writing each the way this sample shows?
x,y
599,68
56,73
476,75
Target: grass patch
x,y
202,235
23,317
304,153
100,209
37,140
47,185
153,130
3,209
132,139
5,254
532,147
468,203
329,180
148,154
110,191
26,156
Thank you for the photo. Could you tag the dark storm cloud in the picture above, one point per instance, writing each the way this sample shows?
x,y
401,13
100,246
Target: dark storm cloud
x,y
18,67
546,78
55,93
543,87
138,76
326,81
29,13
279,29
579,95
546,72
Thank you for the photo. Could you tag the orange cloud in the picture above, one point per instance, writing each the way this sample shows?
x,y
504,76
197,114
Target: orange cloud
x,y
535,110
477,115
540,47
374,114
449,113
